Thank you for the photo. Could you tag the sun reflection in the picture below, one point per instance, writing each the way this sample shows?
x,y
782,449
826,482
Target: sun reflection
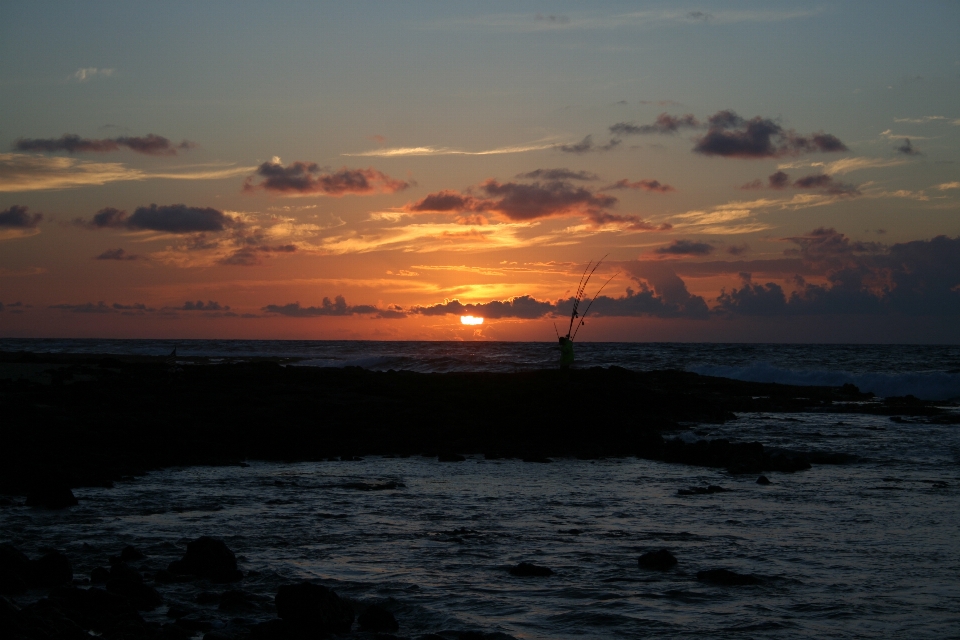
x,y
470,320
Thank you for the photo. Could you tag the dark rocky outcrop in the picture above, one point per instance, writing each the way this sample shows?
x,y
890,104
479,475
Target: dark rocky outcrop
x,y
661,560
131,553
378,619
726,577
763,480
208,558
128,583
310,610
450,457
51,495
528,570
14,566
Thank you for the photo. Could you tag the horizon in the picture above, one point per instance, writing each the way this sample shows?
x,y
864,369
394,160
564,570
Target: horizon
x,y
757,175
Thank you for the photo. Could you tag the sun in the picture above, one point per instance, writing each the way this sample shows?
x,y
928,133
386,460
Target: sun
x,y
470,320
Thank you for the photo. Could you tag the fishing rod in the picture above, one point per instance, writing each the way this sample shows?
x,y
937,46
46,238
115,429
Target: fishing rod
x,y
583,317
581,290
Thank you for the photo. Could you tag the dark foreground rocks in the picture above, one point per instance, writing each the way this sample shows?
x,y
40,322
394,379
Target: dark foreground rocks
x,y
18,572
310,610
661,560
207,558
76,431
528,570
727,578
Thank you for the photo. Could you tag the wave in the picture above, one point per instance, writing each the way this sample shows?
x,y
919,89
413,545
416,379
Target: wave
x,y
926,385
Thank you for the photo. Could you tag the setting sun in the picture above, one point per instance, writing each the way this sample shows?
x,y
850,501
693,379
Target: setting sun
x,y
470,320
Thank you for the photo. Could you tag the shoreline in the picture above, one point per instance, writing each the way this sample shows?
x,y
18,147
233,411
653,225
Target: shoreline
x,y
85,420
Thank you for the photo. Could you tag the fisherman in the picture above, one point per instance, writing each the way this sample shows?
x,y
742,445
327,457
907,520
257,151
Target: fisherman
x,y
566,352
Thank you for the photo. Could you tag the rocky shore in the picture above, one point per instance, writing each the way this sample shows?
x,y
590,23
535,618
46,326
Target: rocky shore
x,y
72,420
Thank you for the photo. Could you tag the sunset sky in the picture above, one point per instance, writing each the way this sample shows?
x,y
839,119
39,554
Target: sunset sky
x,y
753,171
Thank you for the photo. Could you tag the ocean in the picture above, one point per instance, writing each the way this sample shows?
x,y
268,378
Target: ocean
x,y
866,549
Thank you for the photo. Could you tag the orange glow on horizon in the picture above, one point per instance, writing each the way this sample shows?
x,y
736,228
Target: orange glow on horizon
x,y
470,320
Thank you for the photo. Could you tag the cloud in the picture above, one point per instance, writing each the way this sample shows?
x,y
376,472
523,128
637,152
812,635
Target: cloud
x,y
685,248
587,146
304,178
552,19
920,277
826,184
921,120
654,186
200,305
16,217
907,149
524,307
337,307
778,180
135,309
445,151
664,124
21,172
731,136
737,249
117,254
174,218
150,144
88,73
251,256
948,185
558,174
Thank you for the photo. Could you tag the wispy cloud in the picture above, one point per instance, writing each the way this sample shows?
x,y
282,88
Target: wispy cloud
x,y
83,74
948,185
921,120
446,151
22,172
845,165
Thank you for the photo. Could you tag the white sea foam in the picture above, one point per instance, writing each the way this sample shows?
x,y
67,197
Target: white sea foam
x,y
931,385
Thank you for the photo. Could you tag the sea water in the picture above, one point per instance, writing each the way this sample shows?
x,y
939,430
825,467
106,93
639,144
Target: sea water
x,y
865,549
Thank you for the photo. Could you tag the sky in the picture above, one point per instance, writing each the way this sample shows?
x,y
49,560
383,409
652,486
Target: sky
x,y
747,172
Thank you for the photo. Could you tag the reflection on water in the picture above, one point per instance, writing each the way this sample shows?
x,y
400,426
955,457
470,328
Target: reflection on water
x,y
864,549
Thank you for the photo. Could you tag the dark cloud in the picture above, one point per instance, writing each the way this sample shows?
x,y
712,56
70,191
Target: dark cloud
x,y
778,180
644,185
174,218
921,277
252,255
558,174
135,309
117,254
826,184
669,297
907,148
700,16
200,305
524,307
665,123
685,248
444,201
150,144
337,307
587,146
737,249
16,217
553,19
731,136
308,177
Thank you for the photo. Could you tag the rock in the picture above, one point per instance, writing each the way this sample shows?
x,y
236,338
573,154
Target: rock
x,y
216,635
376,618
700,491
235,602
661,560
764,480
269,630
450,457
537,458
127,582
51,570
726,577
14,566
528,570
310,609
100,575
95,609
51,495
207,558
123,572
131,553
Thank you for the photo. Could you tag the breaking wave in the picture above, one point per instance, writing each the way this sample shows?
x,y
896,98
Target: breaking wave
x,y
927,385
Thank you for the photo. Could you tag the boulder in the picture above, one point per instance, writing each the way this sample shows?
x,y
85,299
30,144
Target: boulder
x,y
51,495
377,618
726,577
14,566
207,558
450,457
235,602
528,570
309,610
131,553
764,480
51,570
661,560
99,575
128,583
